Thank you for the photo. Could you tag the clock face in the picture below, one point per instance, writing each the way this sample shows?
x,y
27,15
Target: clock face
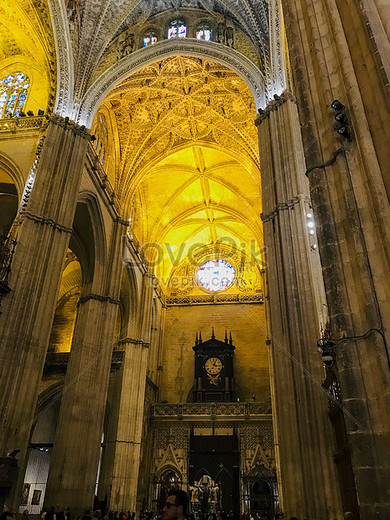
x,y
213,365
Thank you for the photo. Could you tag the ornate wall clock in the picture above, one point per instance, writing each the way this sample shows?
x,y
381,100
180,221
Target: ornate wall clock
x,y
213,369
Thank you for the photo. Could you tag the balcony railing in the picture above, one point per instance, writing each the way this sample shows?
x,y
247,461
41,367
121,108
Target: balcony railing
x,y
15,124
171,410
214,298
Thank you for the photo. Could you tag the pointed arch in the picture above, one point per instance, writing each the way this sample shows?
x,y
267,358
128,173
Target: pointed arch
x,y
227,56
90,247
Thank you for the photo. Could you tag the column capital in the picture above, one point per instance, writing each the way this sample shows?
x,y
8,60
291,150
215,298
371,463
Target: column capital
x,y
122,222
148,275
66,123
134,341
274,105
282,206
41,220
97,297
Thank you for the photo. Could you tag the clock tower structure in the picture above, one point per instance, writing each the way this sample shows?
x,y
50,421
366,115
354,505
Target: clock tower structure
x,y
213,369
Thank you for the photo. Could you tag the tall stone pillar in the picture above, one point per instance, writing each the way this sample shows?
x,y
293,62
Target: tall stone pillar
x,y
127,441
42,230
333,55
75,457
307,478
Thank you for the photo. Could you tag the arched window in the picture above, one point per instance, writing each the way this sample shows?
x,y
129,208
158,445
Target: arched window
x,y
101,133
203,32
177,29
13,94
149,39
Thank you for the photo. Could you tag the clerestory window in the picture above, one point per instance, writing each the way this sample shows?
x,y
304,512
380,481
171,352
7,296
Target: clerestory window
x,y
203,33
177,29
149,39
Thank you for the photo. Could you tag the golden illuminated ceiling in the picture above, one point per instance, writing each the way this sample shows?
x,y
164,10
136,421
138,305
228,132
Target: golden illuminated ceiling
x,y
27,45
188,170
176,102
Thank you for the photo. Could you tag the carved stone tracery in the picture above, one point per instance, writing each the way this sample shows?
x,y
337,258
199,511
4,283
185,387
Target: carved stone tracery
x,y
176,101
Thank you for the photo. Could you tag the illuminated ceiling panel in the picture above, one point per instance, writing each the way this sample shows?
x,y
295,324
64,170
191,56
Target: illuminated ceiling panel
x,y
27,46
189,171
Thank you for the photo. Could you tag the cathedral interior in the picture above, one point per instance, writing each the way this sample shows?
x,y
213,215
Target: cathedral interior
x,y
194,256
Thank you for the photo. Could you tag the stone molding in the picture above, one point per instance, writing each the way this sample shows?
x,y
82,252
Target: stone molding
x,y
97,297
283,206
31,177
57,363
43,220
274,105
133,341
278,81
122,222
118,441
65,81
17,124
99,175
252,76
68,124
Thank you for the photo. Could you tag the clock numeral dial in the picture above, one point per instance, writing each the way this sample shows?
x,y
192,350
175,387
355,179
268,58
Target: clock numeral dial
x,y
213,366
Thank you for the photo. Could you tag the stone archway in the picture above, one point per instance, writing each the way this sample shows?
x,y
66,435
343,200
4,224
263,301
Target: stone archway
x,y
244,68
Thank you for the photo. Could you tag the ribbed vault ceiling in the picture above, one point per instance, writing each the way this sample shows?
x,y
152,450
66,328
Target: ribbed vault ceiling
x,y
176,102
95,23
188,172
23,34
27,46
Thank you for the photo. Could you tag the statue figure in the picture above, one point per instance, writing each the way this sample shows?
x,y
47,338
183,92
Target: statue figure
x,y
126,46
72,14
214,493
221,29
194,493
229,36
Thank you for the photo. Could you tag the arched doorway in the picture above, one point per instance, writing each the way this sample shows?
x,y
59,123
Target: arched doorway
x,y
168,480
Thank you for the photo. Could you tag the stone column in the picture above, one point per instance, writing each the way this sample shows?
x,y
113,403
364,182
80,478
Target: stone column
x,y
75,458
307,478
333,56
127,441
42,230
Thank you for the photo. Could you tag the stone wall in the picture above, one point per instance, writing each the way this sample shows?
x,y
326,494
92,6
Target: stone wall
x,y
247,324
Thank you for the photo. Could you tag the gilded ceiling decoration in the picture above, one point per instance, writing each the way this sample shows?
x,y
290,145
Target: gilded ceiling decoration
x,y
26,35
176,102
93,24
188,172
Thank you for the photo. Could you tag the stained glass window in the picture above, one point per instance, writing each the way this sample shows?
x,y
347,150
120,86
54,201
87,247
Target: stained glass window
x,y
215,275
149,39
13,94
203,33
177,29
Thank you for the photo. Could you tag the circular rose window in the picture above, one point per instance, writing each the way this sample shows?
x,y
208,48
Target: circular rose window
x,y
215,275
